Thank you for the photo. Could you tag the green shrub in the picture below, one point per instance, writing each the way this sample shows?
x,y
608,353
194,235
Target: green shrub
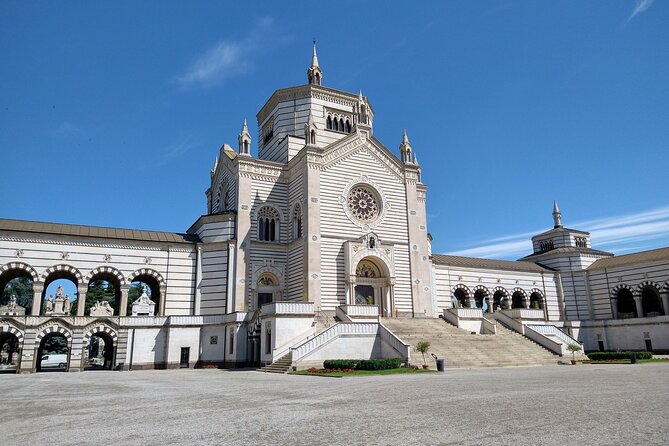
x,y
380,364
362,364
605,356
340,363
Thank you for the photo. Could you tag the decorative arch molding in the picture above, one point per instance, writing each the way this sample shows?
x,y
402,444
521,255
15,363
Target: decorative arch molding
x,y
501,289
665,287
20,266
63,268
147,272
277,272
519,290
616,289
464,288
647,283
100,328
106,270
537,291
483,289
7,327
378,256
54,327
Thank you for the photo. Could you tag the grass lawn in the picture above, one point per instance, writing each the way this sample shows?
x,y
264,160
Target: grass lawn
x,y
363,372
627,361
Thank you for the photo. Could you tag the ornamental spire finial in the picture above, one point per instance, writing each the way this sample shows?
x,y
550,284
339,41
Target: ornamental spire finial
x,y
557,215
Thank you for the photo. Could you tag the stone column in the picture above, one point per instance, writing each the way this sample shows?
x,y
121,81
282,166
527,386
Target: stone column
x,y
162,300
38,288
614,307
81,300
526,302
123,307
489,299
665,302
639,306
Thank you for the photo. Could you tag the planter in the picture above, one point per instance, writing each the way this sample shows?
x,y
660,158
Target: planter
x,y
426,366
573,362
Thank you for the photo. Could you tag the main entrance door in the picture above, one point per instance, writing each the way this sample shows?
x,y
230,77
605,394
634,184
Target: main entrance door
x,y
264,298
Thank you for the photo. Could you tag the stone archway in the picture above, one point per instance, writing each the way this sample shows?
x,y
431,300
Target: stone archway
x,y
54,346
11,343
99,348
372,285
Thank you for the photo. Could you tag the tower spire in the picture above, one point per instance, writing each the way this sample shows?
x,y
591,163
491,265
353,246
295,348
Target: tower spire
x,y
557,215
405,149
244,140
314,73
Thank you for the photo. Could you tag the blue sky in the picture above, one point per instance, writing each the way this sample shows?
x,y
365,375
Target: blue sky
x,y
113,116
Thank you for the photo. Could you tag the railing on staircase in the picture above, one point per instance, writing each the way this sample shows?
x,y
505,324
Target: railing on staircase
x,y
254,323
391,339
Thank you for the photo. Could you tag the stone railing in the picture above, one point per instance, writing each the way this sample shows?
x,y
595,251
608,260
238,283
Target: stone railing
x,y
143,321
361,310
288,308
552,330
556,347
524,313
488,326
400,346
337,330
467,313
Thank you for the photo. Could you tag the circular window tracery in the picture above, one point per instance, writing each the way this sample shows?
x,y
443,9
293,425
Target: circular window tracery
x,y
363,204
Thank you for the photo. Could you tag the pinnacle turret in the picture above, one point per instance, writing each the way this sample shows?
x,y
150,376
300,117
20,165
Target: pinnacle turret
x,y
314,73
244,140
405,149
557,215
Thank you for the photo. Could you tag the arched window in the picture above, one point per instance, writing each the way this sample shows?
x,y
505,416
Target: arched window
x,y
297,221
268,224
536,301
342,128
312,137
348,126
329,123
625,304
651,301
335,124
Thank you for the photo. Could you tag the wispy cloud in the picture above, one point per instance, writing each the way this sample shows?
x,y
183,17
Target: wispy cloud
x,y
618,234
229,58
641,6
180,148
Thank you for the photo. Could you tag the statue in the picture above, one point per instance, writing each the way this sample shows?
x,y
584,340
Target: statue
x,y
484,305
49,303
143,306
67,305
12,302
454,302
101,308
59,292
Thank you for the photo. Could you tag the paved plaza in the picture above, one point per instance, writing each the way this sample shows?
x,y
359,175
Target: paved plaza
x,y
586,404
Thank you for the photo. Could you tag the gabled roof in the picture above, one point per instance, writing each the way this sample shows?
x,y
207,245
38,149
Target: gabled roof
x,y
630,259
472,262
95,231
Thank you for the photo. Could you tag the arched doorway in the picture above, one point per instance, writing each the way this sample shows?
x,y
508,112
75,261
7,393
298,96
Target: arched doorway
x,y
267,289
518,299
16,289
60,285
651,301
10,352
372,286
480,299
461,298
536,301
152,290
100,352
625,304
104,287
499,300
53,353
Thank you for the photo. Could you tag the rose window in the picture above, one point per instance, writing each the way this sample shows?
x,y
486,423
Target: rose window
x,y
363,204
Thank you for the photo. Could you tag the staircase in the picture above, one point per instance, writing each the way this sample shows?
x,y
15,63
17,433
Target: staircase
x,y
460,348
281,365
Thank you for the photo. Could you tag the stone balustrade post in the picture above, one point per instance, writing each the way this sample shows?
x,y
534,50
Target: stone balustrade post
x,y
38,289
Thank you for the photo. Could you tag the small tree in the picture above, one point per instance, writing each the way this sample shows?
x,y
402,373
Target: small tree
x,y
422,347
573,348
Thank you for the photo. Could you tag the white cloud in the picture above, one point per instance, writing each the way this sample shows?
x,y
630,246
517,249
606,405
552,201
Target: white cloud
x,y
641,6
618,234
230,58
180,148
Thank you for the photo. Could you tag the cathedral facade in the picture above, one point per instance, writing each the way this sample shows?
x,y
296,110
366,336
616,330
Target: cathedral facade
x,y
304,252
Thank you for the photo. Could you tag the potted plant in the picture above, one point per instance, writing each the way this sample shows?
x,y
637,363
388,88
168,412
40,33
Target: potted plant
x,y
573,348
422,347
